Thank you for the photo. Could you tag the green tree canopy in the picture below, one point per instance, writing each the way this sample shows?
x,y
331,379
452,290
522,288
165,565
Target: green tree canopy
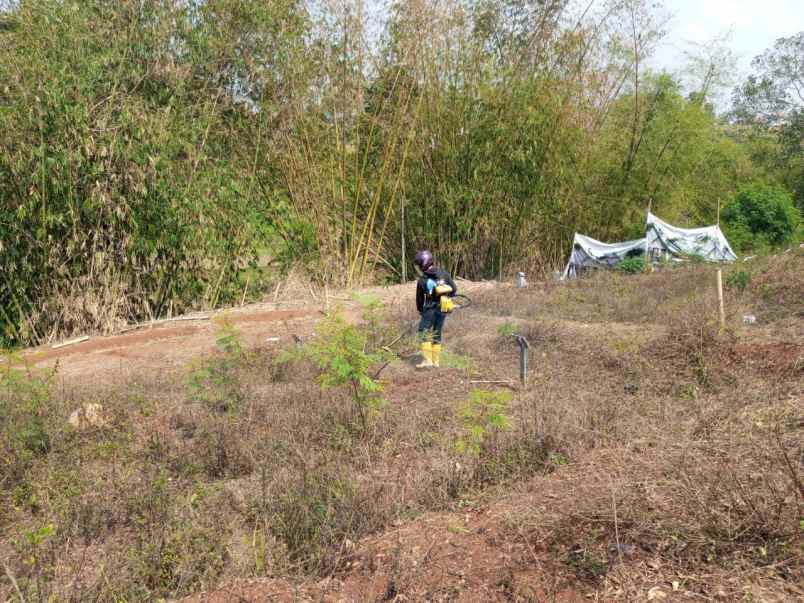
x,y
761,215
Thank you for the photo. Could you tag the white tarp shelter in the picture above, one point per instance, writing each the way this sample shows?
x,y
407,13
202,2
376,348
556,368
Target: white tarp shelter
x,y
661,241
591,253
665,240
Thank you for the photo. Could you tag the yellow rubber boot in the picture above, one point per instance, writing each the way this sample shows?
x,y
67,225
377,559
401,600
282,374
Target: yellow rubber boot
x,y
427,356
436,355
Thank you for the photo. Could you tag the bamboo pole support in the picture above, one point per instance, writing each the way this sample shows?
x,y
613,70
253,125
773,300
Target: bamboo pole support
x,y
650,206
245,290
720,299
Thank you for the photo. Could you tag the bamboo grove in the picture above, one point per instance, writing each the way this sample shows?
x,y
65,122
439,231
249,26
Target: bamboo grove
x,y
150,150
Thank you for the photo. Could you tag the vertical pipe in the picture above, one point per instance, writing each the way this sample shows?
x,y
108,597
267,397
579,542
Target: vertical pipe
x,y
523,365
720,299
524,346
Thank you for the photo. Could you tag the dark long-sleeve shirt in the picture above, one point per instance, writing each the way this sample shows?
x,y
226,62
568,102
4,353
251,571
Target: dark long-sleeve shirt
x,y
426,300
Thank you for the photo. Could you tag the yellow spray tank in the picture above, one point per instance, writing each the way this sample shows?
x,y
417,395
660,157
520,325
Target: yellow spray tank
x,y
445,301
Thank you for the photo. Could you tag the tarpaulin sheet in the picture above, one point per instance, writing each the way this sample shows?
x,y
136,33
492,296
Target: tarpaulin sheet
x,y
591,253
662,241
708,242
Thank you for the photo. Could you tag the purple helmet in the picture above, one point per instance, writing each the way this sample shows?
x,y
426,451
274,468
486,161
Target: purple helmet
x,y
424,260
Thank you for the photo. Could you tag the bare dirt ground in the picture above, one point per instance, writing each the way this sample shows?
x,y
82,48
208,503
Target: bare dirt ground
x,y
170,344
472,556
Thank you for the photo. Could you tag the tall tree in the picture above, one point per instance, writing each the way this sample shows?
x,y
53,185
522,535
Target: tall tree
x,y
771,100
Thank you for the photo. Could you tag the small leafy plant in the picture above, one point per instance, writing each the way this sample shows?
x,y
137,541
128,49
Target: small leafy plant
x,y
38,551
506,329
343,353
215,382
482,416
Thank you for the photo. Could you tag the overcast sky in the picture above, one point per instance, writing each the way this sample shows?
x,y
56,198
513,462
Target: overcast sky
x,y
755,26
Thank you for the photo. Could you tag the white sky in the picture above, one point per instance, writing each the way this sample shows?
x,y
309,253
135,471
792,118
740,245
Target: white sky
x,y
755,26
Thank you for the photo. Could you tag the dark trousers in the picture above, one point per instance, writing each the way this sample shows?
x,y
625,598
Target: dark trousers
x,y
431,324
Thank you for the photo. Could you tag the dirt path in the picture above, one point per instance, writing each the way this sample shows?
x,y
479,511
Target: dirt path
x,y
165,345
171,344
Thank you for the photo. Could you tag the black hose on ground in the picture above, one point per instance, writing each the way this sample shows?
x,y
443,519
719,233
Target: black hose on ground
x,y
462,303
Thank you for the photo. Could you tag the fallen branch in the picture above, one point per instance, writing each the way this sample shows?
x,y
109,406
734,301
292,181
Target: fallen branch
x,y
162,321
381,369
14,583
64,344
181,318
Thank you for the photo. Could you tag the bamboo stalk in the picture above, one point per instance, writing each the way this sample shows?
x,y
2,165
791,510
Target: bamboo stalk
x,y
394,193
245,291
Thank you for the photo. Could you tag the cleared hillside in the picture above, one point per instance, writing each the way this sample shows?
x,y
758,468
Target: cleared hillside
x,y
650,457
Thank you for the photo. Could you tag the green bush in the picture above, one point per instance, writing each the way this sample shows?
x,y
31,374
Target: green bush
x,y
215,380
482,416
345,355
761,216
632,265
738,280
506,329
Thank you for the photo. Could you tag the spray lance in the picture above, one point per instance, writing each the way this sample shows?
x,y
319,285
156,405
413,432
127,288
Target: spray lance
x,y
447,305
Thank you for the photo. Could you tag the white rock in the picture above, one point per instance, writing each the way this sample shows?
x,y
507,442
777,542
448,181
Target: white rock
x,y
88,415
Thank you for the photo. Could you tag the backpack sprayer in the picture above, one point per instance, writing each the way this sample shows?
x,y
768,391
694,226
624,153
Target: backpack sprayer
x,y
446,302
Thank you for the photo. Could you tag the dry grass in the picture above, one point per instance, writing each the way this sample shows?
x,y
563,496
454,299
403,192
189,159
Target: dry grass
x,y
643,426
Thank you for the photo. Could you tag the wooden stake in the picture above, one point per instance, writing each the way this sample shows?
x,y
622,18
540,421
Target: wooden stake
x,y
650,205
720,299
245,290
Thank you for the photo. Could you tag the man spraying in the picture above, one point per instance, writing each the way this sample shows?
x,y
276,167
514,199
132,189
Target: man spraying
x,y
434,292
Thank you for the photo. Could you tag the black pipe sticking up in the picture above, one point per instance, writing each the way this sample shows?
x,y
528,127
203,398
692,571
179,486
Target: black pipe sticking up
x,y
524,346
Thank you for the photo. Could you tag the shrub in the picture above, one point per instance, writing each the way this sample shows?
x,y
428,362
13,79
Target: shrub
x,y
506,329
215,382
315,514
343,353
174,551
482,416
761,216
24,397
738,280
632,265
37,549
